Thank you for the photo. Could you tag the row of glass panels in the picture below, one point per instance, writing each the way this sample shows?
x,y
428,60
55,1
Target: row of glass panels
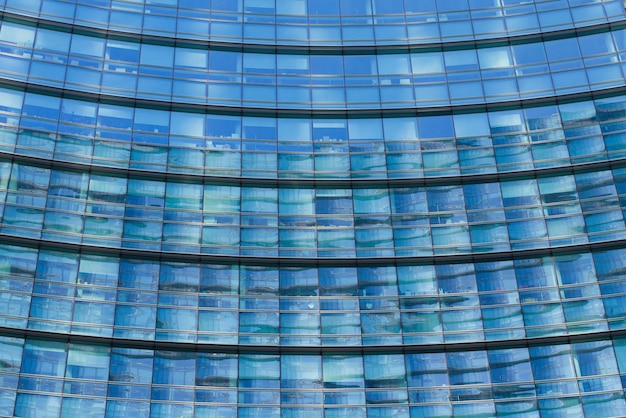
x,y
83,293
51,379
349,22
358,159
305,222
157,140
490,74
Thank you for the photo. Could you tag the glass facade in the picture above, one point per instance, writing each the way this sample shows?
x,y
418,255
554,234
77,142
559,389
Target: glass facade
x,y
307,208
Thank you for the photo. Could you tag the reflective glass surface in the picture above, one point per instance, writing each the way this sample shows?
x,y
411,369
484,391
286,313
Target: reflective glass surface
x,y
209,218
213,145
249,304
306,208
303,22
115,382
448,74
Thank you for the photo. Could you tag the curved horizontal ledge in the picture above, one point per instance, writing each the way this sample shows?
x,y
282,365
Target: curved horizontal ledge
x,y
291,113
256,349
311,49
309,261
338,183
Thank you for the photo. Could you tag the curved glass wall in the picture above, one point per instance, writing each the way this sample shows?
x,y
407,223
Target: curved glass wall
x,y
440,145
396,79
296,221
304,22
285,209
547,381
390,305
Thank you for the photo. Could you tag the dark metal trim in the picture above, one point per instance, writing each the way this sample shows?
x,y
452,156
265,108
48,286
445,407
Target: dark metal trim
x,y
314,262
265,349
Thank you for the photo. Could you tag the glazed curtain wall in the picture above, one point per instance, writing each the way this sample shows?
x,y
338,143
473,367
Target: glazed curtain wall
x,y
338,209
389,305
437,144
302,22
445,75
47,378
116,211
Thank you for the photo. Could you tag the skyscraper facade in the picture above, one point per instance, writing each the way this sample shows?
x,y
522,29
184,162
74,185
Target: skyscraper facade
x,y
312,208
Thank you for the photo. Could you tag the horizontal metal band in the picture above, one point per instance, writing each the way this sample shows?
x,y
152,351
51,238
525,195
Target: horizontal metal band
x,y
311,261
265,349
